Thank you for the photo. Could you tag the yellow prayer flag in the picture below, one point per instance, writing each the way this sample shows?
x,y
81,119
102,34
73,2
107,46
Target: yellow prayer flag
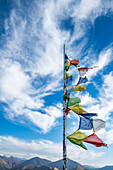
x,y
77,137
76,109
67,64
79,88
67,74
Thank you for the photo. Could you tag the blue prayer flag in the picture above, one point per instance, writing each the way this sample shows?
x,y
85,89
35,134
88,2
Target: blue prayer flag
x,y
88,115
82,80
66,57
85,124
69,79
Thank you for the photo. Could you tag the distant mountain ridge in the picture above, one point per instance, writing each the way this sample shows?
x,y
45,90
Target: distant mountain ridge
x,y
42,164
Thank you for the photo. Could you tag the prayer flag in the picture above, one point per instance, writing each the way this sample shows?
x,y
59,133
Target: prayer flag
x,y
79,88
88,115
67,74
83,70
98,124
74,62
67,111
76,109
85,124
67,63
82,80
69,79
67,68
66,57
95,140
73,101
77,138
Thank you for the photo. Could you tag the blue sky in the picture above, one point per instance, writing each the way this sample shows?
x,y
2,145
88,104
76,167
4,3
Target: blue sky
x,y
32,34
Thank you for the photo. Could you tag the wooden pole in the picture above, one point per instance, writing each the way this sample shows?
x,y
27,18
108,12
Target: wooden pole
x,y
64,121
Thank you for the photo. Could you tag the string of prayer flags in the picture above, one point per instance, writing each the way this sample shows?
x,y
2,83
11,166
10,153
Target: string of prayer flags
x,y
77,138
82,80
73,101
69,79
95,140
76,109
79,88
74,62
73,104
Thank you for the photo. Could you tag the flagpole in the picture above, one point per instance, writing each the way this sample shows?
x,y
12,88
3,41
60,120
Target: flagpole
x,y
64,121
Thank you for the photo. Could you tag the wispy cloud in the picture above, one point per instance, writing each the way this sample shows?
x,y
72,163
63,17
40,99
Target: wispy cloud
x,y
33,49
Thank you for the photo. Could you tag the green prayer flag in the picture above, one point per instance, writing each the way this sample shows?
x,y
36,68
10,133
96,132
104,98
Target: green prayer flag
x,y
83,146
73,101
77,143
66,68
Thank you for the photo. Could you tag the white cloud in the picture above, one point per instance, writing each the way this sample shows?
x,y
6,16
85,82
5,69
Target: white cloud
x,y
46,149
35,45
85,8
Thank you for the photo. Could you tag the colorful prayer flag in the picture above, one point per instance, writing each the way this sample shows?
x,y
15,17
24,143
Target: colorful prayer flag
x,y
73,101
67,111
76,109
79,88
66,57
85,124
67,68
98,124
88,115
74,62
69,79
67,74
95,140
67,63
82,80
77,138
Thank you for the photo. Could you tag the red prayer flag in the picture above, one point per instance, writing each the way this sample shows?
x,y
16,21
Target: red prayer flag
x,y
86,68
67,111
83,69
72,62
95,140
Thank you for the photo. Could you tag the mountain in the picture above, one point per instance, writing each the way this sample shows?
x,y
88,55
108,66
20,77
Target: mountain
x,y
43,164
106,168
38,163
35,162
8,163
90,167
70,165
